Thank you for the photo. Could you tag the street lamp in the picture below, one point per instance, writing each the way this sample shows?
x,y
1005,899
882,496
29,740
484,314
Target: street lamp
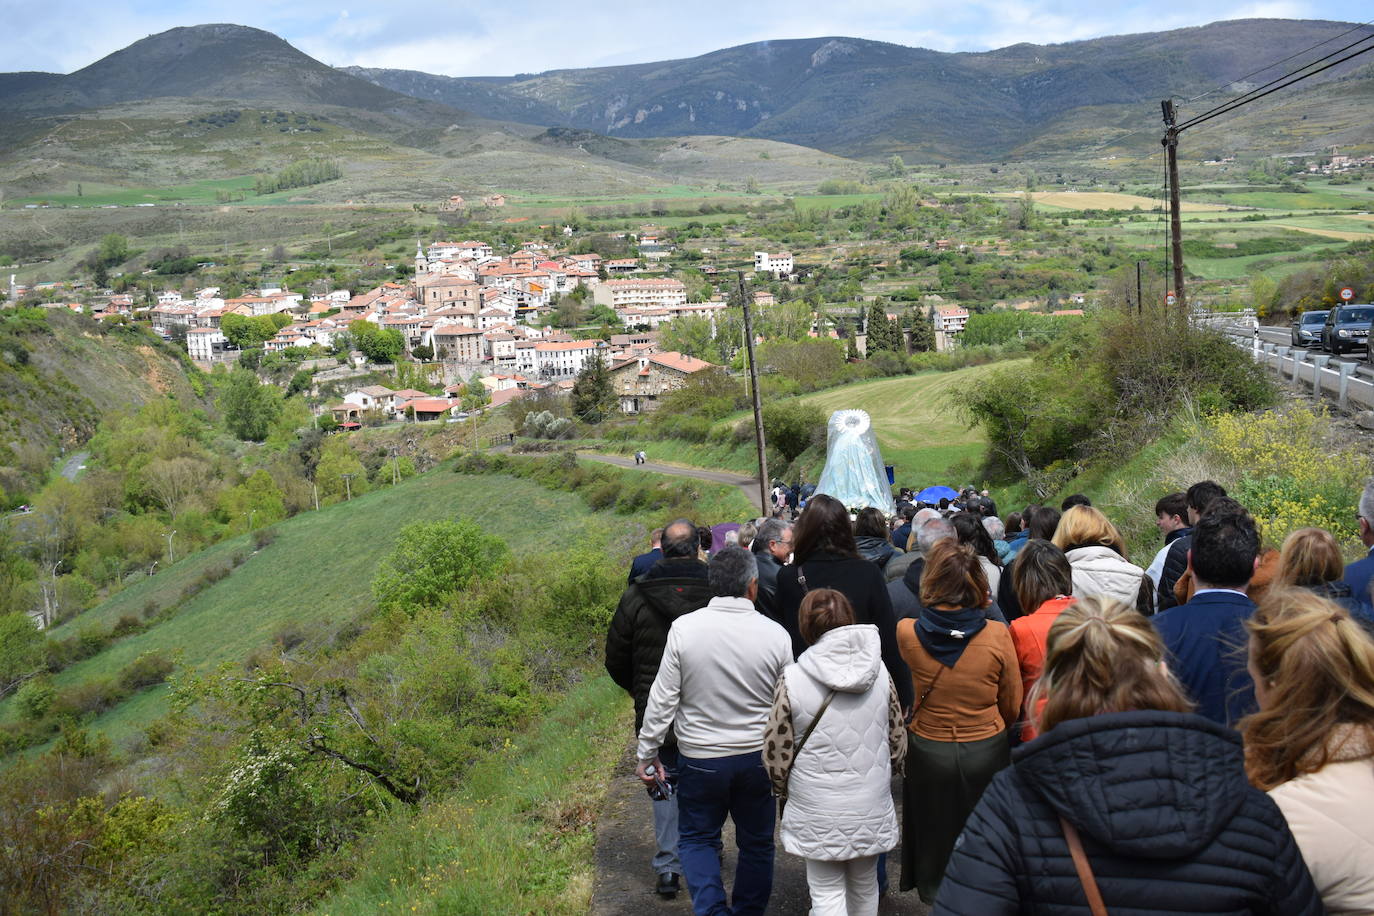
x,y
348,483
171,558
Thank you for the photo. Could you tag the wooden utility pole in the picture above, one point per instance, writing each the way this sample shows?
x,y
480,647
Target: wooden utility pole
x,y
754,387
1170,142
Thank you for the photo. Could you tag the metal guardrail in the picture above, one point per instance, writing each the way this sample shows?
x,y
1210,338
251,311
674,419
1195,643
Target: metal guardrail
x,y
1349,383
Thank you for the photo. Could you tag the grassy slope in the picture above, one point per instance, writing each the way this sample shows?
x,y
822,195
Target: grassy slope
x,y
317,575
516,837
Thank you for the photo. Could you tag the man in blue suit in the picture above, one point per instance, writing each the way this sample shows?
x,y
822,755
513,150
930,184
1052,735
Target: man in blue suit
x,y
645,561
1359,573
1206,637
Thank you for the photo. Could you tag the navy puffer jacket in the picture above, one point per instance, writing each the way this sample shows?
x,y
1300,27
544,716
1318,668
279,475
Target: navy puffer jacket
x,y
1168,822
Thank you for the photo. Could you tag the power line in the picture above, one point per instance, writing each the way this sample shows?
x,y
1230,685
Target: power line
x,y
1271,87
1296,54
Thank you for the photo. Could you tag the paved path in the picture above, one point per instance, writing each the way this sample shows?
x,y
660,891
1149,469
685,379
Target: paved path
x,y
75,465
624,883
749,486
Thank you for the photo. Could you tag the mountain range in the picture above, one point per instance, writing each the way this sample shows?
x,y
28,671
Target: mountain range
x,y
782,101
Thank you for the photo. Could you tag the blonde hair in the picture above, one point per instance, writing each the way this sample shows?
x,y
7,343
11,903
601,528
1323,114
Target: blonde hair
x,y
1103,656
1084,526
1318,665
1310,557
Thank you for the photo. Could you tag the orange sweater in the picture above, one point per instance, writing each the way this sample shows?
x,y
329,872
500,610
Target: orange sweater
x,y
976,699
1030,635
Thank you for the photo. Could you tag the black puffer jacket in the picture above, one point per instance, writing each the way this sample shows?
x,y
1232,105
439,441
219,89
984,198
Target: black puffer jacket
x,y
1168,822
1175,565
876,550
639,629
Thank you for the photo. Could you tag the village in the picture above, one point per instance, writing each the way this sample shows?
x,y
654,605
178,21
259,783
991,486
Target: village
x,y
472,316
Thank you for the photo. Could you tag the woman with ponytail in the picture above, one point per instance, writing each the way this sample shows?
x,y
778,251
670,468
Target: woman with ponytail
x,y
1311,745
1127,802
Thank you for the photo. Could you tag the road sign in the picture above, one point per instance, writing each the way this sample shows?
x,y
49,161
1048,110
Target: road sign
x,y
1170,299
1347,293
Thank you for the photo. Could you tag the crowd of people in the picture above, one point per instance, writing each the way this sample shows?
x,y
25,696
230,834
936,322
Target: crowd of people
x,y
1072,731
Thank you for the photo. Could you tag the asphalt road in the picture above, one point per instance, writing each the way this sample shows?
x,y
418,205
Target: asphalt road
x,y
747,485
75,465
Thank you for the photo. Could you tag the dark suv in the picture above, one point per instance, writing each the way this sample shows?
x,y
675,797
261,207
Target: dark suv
x,y
1347,328
1307,327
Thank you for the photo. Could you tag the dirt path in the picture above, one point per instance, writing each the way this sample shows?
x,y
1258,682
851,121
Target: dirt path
x,y
749,486
625,881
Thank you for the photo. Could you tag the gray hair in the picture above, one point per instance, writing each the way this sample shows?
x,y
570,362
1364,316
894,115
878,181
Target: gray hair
x,y
747,532
770,531
934,531
996,530
730,571
924,516
1367,502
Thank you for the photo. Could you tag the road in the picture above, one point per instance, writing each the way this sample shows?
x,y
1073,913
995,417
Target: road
x,y
749,486
75,465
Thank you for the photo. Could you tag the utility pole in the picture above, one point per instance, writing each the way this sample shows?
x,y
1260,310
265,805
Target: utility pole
x,y
1139,302
754,387
1170,142
348,484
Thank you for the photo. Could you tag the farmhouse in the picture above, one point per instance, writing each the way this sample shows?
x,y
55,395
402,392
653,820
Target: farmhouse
x,y
639,382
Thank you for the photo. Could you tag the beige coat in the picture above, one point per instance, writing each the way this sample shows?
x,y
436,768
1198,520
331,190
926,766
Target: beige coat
x,y
1331,814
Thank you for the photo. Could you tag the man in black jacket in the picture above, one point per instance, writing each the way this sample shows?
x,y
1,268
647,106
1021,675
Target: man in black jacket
x,y
1199,496
772,547
674,586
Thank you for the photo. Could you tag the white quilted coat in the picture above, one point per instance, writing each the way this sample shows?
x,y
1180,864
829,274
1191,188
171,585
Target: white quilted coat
x,y
1103,571
839,802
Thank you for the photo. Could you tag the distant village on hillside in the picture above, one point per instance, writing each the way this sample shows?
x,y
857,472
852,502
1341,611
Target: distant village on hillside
x,y
471,313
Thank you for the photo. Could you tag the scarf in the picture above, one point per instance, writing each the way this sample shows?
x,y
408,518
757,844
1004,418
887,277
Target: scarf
x,y
946,634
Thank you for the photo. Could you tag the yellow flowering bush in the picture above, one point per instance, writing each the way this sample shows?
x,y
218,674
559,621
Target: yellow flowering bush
x,y
1289,474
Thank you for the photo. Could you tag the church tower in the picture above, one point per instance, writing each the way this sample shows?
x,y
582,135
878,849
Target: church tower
x,y
421,263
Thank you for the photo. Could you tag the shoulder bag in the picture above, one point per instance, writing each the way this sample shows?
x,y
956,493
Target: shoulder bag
x,y
1096,905
801,742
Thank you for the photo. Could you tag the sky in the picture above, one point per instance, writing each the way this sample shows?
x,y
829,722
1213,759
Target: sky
x,y
528,36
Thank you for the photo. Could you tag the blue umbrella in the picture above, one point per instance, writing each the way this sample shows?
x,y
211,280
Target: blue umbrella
x,y
935,494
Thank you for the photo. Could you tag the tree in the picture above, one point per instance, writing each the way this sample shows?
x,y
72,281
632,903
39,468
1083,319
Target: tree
x,y
788,426
432,562
101,275
21,651
895,166
922,329
249,408
255,502
244,331
689,334
593,396
337,460
114,249
423,352
174,481
882,333
380,345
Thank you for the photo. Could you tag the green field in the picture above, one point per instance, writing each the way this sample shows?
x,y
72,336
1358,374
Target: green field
x,y
1283,200
808,202
919,431
315,577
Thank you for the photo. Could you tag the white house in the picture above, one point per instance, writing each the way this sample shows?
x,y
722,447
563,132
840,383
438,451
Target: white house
x,y
563,359
203,343
640,293
779,265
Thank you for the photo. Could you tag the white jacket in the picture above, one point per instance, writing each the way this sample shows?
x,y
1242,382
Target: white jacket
x,y
1103,571
839,803
1331,814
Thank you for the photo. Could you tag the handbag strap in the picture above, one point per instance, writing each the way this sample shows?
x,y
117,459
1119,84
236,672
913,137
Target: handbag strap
x,y
916,710
1085,871
801,580
801,742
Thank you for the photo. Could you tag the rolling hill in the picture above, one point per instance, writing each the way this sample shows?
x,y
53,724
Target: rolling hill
x,y
856,97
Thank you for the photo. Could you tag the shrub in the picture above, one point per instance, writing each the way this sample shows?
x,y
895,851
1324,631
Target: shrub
x,y
431,561
263,537
789,426
88,699
35,698
125,625
148,669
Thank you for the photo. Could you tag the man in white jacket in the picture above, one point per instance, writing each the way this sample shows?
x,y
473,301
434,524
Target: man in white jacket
x,y
715,686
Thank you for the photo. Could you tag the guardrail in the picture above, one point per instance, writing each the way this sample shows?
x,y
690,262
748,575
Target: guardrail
x,y
1347,382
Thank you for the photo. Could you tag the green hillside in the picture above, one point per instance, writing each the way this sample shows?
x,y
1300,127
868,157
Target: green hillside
x,y
59,373
312,580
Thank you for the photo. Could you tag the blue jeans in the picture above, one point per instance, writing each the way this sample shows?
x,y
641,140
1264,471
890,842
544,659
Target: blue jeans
x,y
709,789
666,861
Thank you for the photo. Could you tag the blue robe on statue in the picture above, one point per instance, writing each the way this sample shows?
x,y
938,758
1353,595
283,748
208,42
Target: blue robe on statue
x,y
854,471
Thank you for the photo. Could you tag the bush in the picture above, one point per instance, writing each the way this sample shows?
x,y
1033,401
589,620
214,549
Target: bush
x,y
789,426
88,699
432,561
263,537
125,625
148,669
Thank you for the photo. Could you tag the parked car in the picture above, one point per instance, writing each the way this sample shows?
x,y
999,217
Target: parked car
x,y
1307,327
1347,328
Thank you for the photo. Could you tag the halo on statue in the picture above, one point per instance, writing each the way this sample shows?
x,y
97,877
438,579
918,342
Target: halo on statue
x,y
854,471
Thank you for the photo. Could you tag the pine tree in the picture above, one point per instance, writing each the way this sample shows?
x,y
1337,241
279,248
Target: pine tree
x,y
593,395
881,334
922,330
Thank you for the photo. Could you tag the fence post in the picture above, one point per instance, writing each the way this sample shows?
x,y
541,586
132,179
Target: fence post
x,y
1318,363
1297,364
1343,396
